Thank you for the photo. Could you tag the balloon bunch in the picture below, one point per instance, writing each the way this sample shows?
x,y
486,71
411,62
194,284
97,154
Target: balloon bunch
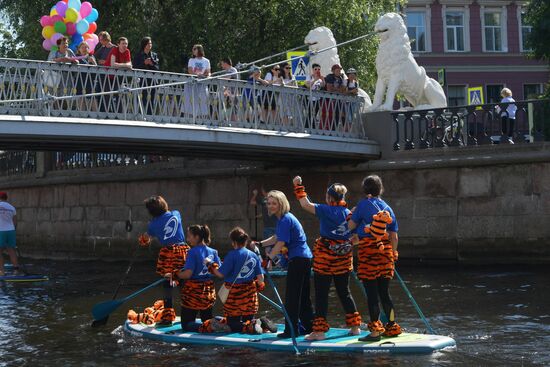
x,y
73,20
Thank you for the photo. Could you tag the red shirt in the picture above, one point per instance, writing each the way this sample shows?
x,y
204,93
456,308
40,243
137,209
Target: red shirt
x,y
120,57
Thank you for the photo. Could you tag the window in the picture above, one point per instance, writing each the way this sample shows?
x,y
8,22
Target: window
x,y
416,28
532,91
526,30
456,95
454,22
493,93
492,29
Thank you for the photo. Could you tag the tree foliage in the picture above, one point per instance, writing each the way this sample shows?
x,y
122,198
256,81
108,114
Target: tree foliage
x,y
538,15
243,30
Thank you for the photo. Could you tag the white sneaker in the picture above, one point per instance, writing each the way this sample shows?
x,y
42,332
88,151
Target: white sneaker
x,y
257,325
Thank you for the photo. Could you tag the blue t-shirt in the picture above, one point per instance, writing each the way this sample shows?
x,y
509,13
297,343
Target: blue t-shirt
x,y
366,209
241,266
290,231
195,261
167,228
333,221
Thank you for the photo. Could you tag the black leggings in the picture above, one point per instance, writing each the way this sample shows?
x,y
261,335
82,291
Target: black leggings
x,y
188,317
297,299
508,126
322,287
380,287
167,294
236,322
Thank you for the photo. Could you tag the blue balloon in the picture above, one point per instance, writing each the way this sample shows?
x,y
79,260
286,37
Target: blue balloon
x,y
77,39
74,4
82,26
92,17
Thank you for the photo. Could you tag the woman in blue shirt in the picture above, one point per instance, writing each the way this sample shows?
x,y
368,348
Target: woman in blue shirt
x,y
376,256
290,234
198,293
242,272
166,226
332,257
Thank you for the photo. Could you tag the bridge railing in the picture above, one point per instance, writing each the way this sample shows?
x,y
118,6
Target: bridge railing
x,y
45,89
17,163
472,125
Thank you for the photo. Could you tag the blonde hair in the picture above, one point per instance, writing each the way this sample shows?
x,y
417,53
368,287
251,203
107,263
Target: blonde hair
x,y
82,43
506,92
339,189
280,197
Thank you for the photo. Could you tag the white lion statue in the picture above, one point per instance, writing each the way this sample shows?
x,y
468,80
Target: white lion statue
x,y
321,38
398,71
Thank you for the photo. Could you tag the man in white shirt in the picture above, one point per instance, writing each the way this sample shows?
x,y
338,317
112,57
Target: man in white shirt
x,y
7,232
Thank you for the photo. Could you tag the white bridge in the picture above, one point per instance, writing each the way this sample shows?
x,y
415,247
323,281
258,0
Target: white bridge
x,y
50,106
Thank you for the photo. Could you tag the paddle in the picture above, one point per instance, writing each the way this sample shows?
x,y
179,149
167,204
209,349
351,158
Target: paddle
x,y
104,320
102,310
271,302
418,310
283,310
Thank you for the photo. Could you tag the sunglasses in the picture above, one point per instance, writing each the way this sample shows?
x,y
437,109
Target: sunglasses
x,y
276,69
287,68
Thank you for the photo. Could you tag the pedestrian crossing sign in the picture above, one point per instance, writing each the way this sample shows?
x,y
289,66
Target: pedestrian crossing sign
x,y
475,96
300,65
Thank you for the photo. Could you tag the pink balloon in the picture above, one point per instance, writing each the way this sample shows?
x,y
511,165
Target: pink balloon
x,y
85,9
71,28
45,20
56,18
47,44
61,8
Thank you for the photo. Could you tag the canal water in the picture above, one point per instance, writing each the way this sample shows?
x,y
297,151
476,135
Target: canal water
x,y
498,316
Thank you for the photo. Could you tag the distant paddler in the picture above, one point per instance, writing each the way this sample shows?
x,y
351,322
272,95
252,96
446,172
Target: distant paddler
x,y
8,222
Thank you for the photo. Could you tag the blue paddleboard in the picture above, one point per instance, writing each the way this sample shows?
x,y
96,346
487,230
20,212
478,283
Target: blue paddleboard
x,y
337,340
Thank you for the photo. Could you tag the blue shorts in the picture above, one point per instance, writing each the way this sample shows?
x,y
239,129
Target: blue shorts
x,y
7,239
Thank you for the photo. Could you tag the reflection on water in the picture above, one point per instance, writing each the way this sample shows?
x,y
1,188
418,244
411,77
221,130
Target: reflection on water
x,y
497,318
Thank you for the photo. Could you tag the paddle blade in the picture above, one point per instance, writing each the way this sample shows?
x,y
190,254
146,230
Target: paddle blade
x,y
103,310
102,322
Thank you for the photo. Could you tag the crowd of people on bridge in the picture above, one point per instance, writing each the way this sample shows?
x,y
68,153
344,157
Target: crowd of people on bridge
x,y
190,258
241,102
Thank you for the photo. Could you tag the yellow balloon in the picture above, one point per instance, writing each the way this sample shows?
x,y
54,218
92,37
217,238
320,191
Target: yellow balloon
x,y
53,12
71,15
48,31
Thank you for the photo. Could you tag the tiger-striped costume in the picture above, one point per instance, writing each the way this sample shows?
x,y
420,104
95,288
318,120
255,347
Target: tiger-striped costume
x,y
242,300
171,258
198,295
327,262
375,261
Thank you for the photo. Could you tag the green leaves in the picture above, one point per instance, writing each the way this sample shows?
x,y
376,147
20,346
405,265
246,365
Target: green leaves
x,y
243,30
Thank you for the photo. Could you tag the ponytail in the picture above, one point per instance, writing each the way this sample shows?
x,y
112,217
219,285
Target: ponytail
x,y
239,236
202,231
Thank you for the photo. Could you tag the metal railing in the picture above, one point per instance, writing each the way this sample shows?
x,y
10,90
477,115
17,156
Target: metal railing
x,y
78,160
14,163
472,125
17,163
45,89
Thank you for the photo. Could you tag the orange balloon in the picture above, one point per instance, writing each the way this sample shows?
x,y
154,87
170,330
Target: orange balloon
x,y
87,36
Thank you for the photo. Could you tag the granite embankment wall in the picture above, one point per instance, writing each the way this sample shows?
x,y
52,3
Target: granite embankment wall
x,y
485,205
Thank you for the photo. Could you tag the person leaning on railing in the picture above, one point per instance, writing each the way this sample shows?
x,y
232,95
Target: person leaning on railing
x,y
83,83
147,59
508,116
230,93
269,99
314,82
196,94
103,48
63,53
351,88
119,58
287,101
330,108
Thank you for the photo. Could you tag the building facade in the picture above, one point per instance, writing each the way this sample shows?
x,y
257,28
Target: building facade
x,y
478,43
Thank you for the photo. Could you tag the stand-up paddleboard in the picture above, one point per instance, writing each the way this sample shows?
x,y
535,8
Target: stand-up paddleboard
x,y
337,340
23,278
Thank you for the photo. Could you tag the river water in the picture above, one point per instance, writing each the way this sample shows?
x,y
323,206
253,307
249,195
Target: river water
x,y
498,316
